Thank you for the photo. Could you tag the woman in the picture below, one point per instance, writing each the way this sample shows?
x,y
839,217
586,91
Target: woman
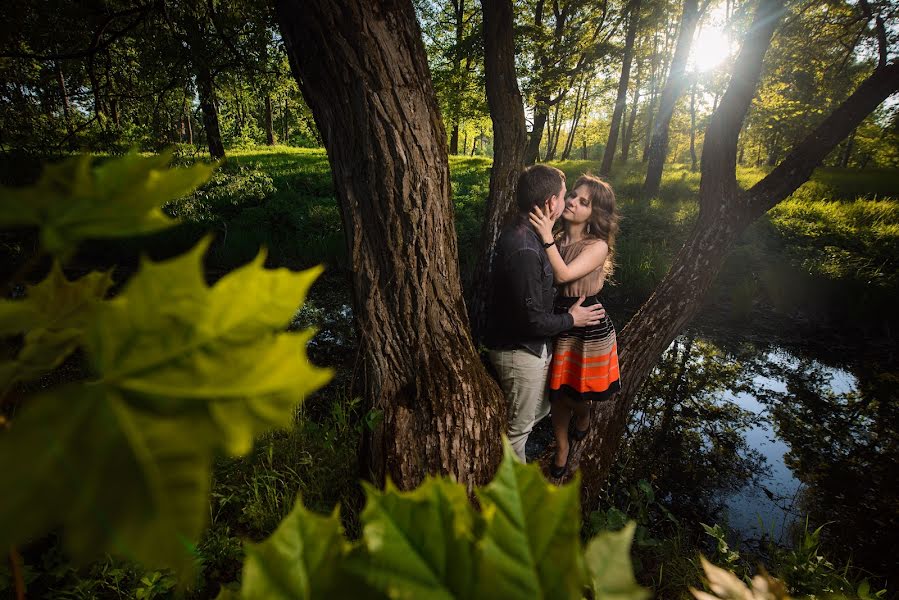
x,y
584,367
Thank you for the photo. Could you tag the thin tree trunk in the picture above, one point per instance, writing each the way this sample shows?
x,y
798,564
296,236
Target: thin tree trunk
x,y
269,121
284,117
653,91
725,212
455,99
442,413
190,128
553,140
629,132
580,101
541,113
693,127
205,88
509,137
64,97
847,150
674,87
612,143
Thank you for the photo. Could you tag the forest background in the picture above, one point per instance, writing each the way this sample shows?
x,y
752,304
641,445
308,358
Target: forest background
x,y
627,90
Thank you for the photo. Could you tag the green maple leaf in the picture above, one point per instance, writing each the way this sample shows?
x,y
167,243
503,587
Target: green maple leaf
x,y
301,559
114,479
123,463
608,558
169,343
531,546
418,544
53,316
120,197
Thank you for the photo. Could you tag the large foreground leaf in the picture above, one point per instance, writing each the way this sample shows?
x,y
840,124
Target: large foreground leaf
x,y
123,463
113,478
301,560
531,546
431,543
53,316
418,544
608,558
172,345
121,197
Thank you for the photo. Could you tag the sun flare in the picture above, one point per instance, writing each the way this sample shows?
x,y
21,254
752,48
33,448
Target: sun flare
x,y
710,49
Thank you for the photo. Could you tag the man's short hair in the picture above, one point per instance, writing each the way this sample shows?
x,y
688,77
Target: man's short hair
x,y
536,184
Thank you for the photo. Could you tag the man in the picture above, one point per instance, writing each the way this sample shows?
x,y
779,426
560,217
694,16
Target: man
x,y
521,322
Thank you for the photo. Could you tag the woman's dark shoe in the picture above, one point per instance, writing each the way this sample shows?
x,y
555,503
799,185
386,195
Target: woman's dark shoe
x,y
556,471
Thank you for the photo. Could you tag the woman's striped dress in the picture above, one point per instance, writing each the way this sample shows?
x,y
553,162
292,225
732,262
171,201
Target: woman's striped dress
x,y
585,359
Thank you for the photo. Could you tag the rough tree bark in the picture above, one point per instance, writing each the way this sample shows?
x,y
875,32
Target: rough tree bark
x,y
509,138
363,71
725,212
608,155
674,87
205,86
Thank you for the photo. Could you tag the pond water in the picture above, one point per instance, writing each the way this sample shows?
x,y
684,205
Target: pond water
x,y
769,505
761,437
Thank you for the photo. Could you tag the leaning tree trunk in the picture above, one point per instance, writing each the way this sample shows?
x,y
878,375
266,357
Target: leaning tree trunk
x,y
509,137
608,155
725,212
674,87
363,71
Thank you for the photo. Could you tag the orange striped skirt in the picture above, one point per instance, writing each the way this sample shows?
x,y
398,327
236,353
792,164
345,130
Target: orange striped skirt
x,y
585,359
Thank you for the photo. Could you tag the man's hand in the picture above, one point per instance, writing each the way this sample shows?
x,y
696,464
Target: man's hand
x,y
586,315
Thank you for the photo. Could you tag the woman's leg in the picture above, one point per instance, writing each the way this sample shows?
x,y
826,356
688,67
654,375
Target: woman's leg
x,y
582,415
561,417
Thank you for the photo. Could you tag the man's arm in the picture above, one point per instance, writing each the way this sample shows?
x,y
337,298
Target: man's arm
x,y
526,296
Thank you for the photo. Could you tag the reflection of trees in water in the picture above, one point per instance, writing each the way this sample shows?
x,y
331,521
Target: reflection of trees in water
x,y
845,448
686,437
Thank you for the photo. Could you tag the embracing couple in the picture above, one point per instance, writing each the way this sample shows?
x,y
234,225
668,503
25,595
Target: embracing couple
x,y
554,351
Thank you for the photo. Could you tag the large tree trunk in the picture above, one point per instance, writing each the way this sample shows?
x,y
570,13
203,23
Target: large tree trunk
x,y
363,71
269,121
509,136
612,143
725,212
674,87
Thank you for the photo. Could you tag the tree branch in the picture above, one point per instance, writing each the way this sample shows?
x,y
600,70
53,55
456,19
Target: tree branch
x,y
798,166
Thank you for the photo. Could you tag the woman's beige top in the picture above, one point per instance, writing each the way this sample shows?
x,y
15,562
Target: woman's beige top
x,y
590,283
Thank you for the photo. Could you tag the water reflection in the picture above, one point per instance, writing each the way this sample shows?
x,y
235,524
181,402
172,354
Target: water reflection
x,y
759,436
